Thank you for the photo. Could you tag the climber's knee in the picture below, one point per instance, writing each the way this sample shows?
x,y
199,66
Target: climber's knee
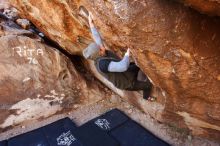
x,y
141,76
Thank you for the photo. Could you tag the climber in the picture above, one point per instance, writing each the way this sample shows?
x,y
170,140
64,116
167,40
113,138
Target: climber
x,y
120,72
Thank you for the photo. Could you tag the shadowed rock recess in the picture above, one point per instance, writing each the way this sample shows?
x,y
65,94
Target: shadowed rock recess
x,y
211,7
177,47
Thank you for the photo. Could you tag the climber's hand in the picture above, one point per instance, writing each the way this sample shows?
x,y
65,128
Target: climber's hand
x,y
128,52
102,50
91,24
90,17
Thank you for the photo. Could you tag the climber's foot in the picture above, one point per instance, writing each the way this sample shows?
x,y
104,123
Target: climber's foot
x,y
151,98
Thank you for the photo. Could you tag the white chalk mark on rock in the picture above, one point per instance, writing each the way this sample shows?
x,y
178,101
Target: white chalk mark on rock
x,y
28,53
26,79
53,92
39,108
121,8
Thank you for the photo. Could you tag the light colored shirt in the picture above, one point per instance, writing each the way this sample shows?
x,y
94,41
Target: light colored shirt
x,y
114,66
96,36
120,66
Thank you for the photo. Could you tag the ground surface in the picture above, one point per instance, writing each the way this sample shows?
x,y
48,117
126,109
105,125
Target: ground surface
x,y
84,113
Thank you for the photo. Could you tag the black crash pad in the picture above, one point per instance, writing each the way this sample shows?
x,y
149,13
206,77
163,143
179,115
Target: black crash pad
x,y
132,134
57,133
95,132
113,128
61,133
90,135
3,143
33,138
109,120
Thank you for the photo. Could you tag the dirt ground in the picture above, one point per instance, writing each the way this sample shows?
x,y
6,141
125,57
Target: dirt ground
x,y
84,113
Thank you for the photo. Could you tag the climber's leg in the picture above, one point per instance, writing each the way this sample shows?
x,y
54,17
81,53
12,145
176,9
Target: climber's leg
x,y
141,76
146,93
145,86
133,68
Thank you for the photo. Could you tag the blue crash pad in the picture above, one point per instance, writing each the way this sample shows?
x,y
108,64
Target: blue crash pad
x,y
132,134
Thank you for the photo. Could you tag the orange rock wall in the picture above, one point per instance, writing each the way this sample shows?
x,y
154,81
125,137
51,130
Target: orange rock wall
x,y
178,48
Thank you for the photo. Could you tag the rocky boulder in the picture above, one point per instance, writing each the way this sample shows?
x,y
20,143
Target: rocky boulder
x,y
61,24
178,48
37,80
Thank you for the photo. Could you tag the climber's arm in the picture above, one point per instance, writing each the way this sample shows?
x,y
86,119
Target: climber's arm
x,y
120,66
95,34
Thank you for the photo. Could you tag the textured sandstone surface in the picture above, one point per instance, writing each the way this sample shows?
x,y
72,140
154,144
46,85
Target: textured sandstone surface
x,y
36,80
55,19
178,48
4,4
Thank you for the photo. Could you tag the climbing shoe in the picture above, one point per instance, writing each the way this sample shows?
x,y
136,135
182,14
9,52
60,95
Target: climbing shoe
x,y
151,98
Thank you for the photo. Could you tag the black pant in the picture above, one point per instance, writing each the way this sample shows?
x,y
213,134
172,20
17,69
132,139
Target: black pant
x,y
146,86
